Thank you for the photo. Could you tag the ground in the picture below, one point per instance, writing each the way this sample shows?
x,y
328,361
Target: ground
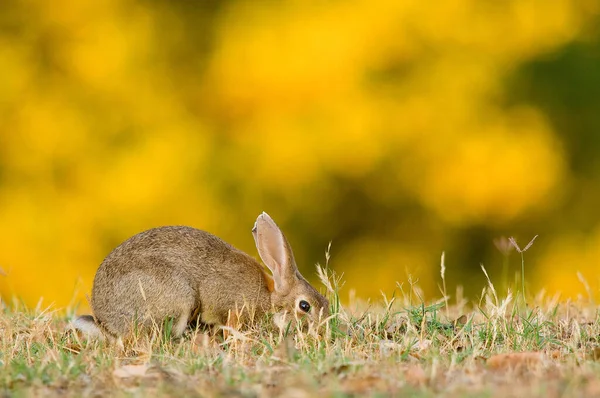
x,y
499,346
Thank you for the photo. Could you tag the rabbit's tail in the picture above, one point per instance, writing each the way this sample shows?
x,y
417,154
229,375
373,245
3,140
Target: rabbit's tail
x,y
87,325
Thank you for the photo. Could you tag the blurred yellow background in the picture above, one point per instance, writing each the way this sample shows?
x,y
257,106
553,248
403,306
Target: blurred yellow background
x,y
395,129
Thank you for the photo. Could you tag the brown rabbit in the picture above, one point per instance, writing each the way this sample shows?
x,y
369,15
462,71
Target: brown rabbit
x,y
185,273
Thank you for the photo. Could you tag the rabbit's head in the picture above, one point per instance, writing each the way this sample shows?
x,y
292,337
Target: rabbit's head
x,y
290,292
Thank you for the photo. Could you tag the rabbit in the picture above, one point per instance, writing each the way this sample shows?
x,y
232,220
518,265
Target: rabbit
x,y
189,275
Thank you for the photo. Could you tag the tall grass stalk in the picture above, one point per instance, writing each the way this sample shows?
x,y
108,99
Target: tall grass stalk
x,y
522,253
443,275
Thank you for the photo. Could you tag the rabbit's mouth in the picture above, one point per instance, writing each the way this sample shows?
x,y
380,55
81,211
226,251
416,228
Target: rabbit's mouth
x,y
284,320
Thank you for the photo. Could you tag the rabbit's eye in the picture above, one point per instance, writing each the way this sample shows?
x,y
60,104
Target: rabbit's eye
x,y
304,306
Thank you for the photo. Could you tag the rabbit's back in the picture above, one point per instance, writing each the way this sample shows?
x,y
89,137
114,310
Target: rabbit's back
x,y
175,272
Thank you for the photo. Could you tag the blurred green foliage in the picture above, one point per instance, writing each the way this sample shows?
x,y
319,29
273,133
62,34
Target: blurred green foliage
x,y
397,130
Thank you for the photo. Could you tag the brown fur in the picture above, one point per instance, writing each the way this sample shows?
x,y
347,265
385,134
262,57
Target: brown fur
x,y
270,282
185,273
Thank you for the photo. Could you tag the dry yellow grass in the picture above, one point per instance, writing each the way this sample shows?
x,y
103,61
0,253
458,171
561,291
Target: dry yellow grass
x,y
494,347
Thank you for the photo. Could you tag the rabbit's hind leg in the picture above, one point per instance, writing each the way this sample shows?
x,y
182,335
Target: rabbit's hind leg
x,y
182,313
180,324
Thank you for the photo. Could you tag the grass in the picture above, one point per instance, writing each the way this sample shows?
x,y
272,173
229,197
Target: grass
x,y
402,346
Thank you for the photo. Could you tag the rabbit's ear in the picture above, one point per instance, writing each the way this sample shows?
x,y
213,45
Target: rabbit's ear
x,y
275,251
